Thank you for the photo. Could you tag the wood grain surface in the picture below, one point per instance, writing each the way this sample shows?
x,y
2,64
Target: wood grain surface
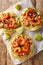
x,y
39,5
4,56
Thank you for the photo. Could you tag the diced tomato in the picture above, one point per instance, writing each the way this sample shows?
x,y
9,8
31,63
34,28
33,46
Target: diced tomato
x,y
22,53
27,40
30,42
19,39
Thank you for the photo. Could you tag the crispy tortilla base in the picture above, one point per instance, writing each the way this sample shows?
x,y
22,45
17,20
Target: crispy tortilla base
x,y
20,57
30,28
9,31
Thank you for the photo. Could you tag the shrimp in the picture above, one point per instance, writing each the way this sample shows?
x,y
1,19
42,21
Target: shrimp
x,y
12,23
17,50
29,12
25,48
25,21
23,42
36,22
30,18
14,44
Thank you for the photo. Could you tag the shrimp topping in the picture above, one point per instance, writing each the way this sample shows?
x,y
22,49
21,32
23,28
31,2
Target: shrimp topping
x,y
21,46
30,17
7,21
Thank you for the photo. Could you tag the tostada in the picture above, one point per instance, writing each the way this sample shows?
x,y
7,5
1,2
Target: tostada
x,y
21,46
30,19
9,21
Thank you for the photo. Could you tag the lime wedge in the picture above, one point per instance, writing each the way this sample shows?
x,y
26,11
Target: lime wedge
x,y
38,37
6,36
18,6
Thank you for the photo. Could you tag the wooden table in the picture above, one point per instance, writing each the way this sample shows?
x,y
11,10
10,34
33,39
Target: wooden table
x,y
4,56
